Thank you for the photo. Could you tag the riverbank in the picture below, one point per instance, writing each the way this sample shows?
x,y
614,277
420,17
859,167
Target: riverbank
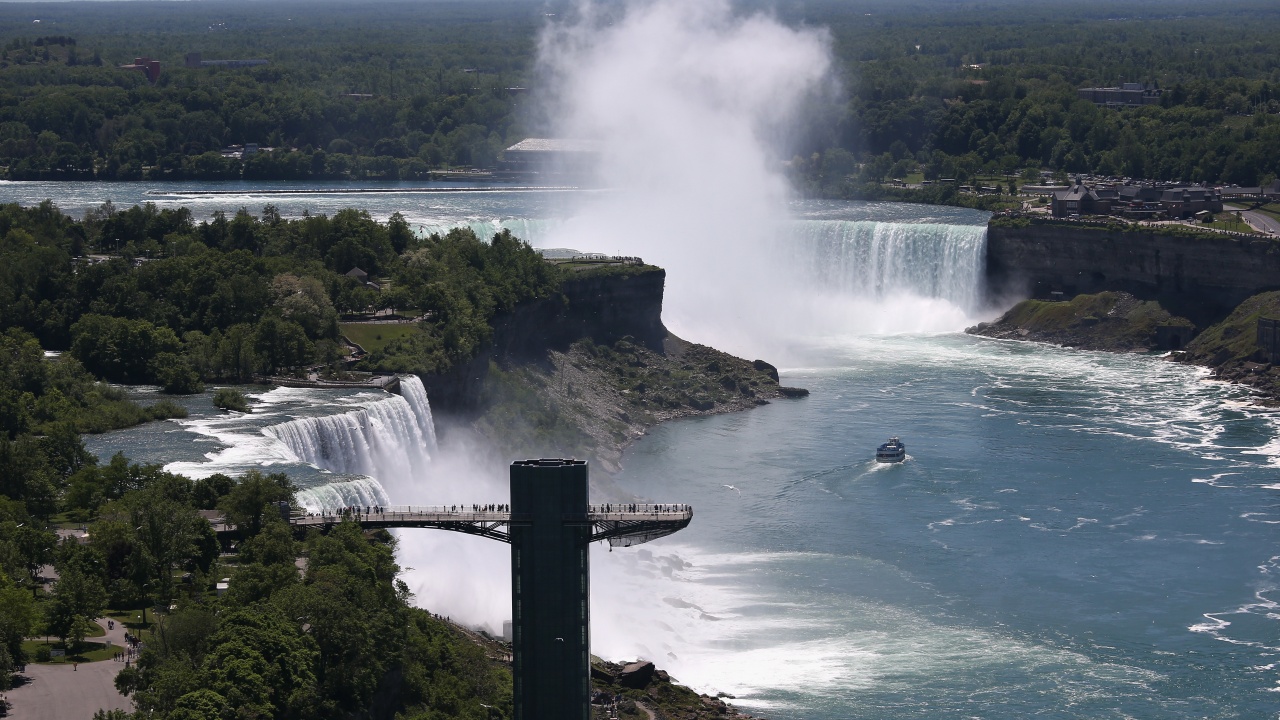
x,y
1120,322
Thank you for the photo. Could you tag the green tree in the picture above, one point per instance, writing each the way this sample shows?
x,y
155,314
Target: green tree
x,y
175,374
19,618
78,598
253,501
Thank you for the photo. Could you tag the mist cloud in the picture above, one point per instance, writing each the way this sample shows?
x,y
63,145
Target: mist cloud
x,y
692,105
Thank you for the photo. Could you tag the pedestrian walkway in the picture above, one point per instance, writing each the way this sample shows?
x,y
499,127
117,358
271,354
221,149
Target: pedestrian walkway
x,y
69,692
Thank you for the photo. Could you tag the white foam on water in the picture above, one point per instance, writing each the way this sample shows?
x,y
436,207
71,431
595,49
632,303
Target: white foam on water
x,y
242,448
1125,395
715,629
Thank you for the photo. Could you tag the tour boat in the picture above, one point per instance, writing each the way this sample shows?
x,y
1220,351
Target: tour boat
x,y
892,451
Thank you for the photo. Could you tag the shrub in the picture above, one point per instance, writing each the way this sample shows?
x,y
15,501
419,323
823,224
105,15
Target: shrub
x,y
228,399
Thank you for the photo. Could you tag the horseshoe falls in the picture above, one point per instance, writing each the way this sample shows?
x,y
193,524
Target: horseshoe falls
x,y
878,260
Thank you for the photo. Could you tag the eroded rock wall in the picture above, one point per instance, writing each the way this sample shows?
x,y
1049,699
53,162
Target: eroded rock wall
x,y
601,306
1201,277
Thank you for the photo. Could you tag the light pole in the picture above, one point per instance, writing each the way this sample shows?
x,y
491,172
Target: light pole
x,y
145,585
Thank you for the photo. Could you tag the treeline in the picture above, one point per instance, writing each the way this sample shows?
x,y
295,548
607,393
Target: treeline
x,y
960,91
178,303
388,94
943,89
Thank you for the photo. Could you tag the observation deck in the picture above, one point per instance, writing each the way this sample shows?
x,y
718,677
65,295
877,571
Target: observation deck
x,y
622,524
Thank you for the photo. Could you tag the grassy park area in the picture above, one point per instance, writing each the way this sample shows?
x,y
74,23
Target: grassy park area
x,y
375,336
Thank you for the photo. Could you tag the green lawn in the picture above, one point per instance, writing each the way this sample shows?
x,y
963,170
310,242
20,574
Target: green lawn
x,y
89,652
375,336
1271,209
1230,223
131,619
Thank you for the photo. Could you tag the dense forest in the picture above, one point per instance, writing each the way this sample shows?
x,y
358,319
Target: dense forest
x,y
150,296
177,303
962,89
394,91
338,639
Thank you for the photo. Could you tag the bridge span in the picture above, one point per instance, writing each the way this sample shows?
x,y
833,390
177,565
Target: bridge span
x,y
621,524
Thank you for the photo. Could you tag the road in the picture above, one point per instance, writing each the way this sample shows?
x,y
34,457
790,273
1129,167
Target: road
x,y
66,692
1261,222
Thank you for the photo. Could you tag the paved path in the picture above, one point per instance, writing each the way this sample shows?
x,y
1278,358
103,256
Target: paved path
x,y
66,692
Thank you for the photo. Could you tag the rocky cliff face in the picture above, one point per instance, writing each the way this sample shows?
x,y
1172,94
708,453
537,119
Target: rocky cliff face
x,y
602,306
1200,276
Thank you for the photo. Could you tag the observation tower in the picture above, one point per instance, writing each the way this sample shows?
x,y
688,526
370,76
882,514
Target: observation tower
x,y
550,525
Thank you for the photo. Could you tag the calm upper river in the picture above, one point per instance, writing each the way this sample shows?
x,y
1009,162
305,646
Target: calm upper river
x,y
1073,535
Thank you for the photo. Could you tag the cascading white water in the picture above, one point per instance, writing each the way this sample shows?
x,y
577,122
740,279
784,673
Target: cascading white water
x,y
415,395
330,496
390,440
876,260
527,229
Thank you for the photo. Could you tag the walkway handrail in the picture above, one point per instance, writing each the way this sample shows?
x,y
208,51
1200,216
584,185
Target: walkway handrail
x,y
619,523
491,511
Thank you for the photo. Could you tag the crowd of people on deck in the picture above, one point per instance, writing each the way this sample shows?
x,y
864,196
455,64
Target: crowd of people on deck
x,y
357,510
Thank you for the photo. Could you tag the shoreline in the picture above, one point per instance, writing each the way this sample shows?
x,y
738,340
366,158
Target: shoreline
x,y
1119,323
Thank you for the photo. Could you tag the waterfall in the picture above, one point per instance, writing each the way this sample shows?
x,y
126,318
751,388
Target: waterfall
x,y
390,440
360,491
527,229
875,260
415,394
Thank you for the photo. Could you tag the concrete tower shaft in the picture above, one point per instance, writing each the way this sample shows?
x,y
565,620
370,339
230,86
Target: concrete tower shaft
x,y
550,590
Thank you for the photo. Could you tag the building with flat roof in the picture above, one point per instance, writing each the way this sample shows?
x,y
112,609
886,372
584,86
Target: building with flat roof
x,y
552,155
196,60
1128,94
146,66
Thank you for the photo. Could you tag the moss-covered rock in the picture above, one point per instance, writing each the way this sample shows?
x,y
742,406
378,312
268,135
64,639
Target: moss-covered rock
x,y
1231,348
594,399
1234,339
1114,321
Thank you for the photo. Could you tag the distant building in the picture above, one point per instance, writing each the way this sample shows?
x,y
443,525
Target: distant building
x,y
195,60
1080,200
1136,202
243,152
1128,94
555,155
146,66
1185,202
361,276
